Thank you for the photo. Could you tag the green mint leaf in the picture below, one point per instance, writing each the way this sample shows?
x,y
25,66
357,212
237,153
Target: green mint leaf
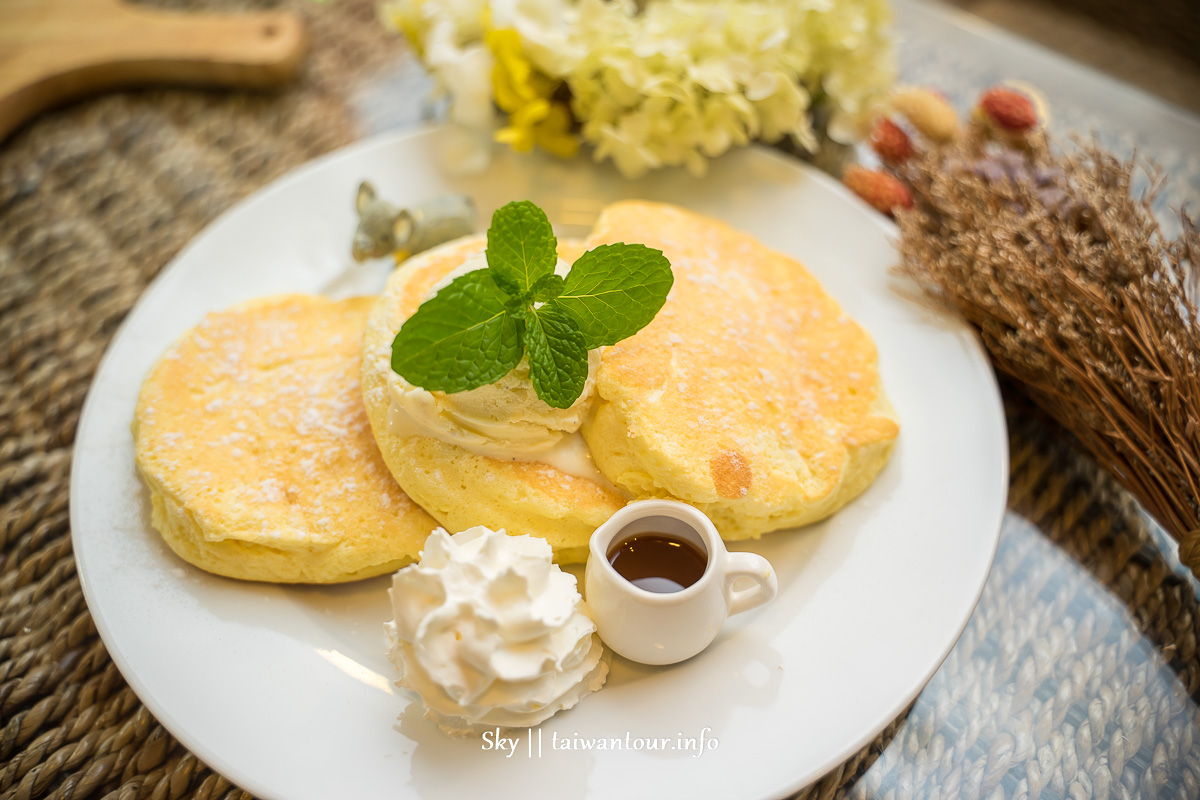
x,y
461,338
546,289
614,290
507,286
521,247
558,357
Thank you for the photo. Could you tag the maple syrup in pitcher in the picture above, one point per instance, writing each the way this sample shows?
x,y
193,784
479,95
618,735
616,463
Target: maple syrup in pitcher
x,y
658,562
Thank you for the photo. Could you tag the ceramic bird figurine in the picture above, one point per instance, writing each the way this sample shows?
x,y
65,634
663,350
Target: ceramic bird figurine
x,y
385,228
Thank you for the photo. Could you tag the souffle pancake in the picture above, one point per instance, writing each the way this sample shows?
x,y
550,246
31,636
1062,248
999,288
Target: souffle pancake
x,y
252,437
465,477
751,395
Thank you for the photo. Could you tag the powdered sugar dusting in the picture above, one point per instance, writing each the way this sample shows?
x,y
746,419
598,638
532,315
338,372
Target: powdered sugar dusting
x,y
759,353
262,412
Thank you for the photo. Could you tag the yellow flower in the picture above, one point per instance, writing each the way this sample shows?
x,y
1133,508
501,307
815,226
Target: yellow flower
x,y
406,18
526,95
554,135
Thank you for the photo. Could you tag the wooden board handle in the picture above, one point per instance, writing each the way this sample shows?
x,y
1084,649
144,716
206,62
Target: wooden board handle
x,y
61,51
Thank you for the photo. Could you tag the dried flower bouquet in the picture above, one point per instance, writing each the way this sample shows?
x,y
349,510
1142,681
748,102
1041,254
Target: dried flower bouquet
x,y
1069,278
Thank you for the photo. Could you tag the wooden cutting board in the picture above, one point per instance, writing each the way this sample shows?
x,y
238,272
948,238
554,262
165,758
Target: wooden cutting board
x,y
52,51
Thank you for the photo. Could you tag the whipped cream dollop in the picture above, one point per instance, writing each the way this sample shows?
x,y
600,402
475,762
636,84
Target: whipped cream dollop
x,y
505,419
490,632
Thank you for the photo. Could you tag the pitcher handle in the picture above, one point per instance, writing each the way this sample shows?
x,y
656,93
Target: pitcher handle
x,y
757,569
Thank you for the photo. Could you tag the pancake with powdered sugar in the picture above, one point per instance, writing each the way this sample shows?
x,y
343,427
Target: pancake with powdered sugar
x,y
751,395
251,434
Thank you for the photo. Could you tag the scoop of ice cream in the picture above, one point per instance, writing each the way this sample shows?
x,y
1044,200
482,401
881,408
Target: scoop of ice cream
x,y
490,632
504,419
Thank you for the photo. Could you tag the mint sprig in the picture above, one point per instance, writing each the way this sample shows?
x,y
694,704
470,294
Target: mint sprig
x,y
477,328
462,337
521,247
558,361
614,290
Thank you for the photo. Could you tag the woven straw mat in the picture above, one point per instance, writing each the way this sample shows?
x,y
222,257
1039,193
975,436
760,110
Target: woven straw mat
x,y
1075,677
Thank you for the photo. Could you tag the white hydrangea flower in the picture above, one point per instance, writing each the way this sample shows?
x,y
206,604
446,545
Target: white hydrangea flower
x,y
416,19
545,28
626,144
447,33
465,75
672,83
730,71
782,106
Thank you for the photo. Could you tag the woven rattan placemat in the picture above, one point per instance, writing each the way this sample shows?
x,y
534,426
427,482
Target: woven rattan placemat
x,y
1074,678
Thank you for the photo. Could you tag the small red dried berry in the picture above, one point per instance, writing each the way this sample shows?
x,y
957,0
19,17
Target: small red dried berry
x,y
1008,109
881,191
890,142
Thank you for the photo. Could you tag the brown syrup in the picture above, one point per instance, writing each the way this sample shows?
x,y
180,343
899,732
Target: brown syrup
x,y
658,562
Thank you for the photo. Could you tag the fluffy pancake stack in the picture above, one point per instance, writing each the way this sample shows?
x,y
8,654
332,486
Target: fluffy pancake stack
x,y
460,488
751,396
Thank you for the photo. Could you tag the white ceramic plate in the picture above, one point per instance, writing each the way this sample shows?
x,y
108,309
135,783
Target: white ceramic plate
x,y
287,691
